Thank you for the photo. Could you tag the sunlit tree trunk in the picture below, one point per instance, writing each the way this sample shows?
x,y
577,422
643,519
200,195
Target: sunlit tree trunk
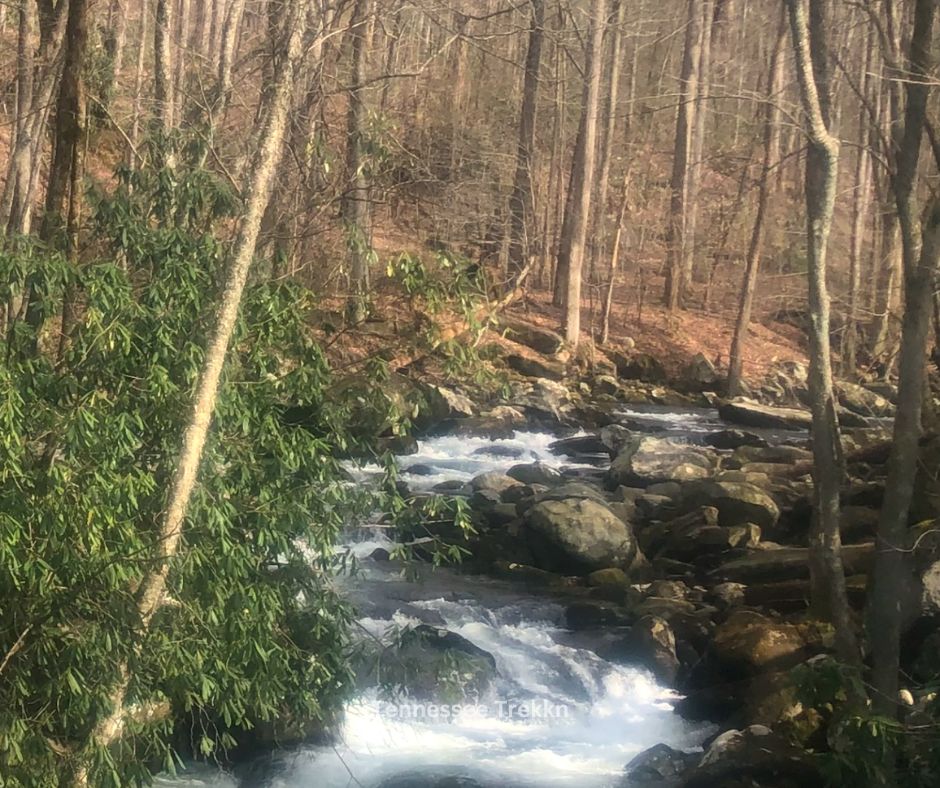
x,y
829,596
582,177
677,227
164,102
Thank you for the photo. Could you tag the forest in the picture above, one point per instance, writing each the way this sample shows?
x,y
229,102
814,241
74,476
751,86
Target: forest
x,y
364,358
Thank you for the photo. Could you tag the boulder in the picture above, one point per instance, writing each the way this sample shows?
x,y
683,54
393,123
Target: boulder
x,y
752,414
699,374
652,644
738,503
444,403
754,757
580,535
646,460
748,643
493,481
539,339
532,367
579,490
658,767
862,401
578,445
591,614
535,473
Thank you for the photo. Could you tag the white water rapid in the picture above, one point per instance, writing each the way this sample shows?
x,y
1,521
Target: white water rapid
x,y
556,715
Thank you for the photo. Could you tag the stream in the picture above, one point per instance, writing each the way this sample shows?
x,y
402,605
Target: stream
x,y
556,715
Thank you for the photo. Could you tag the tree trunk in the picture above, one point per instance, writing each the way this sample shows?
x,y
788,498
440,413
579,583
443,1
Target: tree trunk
x,y
230,33
612,67
860,203
151,594
677,227
139,83
522,243
696,154
829,596
921,258
582,180
752,265
16,190
162,66
356,212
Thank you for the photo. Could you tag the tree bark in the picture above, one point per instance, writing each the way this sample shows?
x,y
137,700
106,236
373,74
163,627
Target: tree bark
x,y
356,209
697,151
829,596
752,265
151,595
164,101
608,130
582,179
233,22
921,260
677,227
522,225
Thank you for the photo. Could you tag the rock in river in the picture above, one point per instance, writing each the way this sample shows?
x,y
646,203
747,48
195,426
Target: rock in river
x,y
579,535
645,460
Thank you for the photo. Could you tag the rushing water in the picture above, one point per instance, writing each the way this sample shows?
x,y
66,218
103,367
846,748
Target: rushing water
x,y
557,714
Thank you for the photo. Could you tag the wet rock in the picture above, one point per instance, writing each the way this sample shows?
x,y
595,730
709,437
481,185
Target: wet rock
x,y
493,481
419,469
579,535
652,644
738,503
401,445
578,445
593,614
646,460
532,367
535,473
862,401
658,767
754,757
451,486
752,414
734,439
423,780
539,339
380,554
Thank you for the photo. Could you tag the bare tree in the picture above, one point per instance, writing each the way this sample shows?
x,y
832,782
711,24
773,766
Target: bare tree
x,y
752,265
521,204
822,160
582,176
677,227
921,258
